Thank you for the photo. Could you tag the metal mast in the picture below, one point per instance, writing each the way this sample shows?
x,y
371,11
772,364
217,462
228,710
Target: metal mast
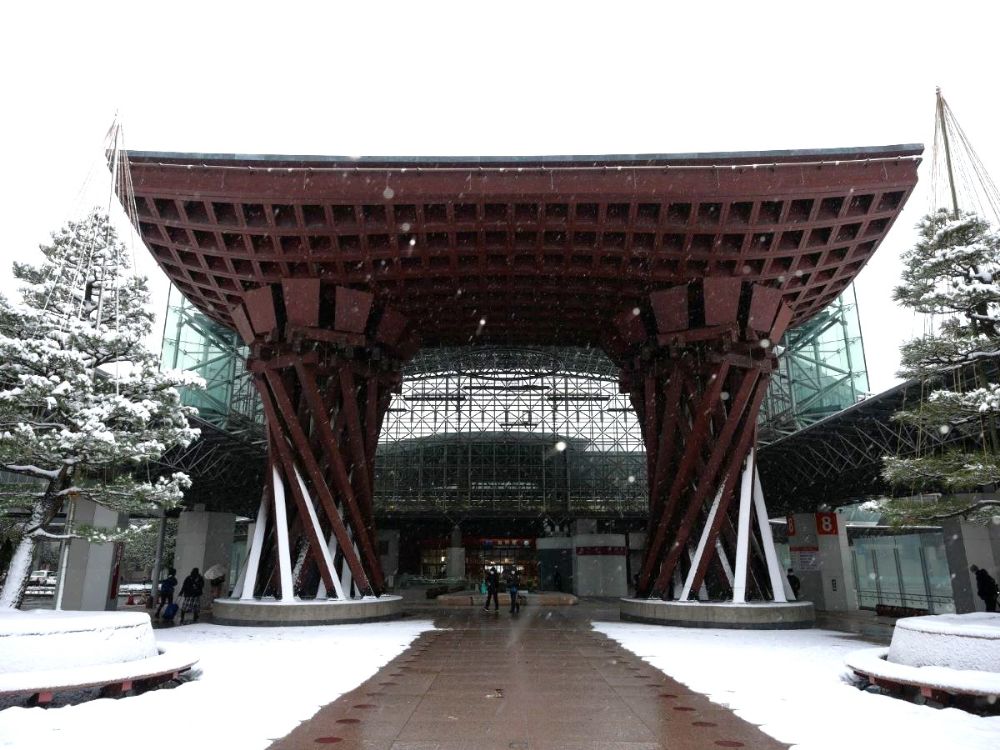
x,y
943,125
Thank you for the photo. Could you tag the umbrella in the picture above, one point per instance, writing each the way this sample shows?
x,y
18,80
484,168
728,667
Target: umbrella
x,y
216,571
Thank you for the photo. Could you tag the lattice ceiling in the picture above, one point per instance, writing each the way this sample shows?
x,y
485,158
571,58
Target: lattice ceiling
x,y
526,253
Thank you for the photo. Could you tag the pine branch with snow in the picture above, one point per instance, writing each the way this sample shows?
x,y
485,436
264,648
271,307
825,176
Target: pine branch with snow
x,y
933,509
83,404
953,271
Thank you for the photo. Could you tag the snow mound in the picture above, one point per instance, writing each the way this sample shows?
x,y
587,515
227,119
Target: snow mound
x,y
963,642
41,640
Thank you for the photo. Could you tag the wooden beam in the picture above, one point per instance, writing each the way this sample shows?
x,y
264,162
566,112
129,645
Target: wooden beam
x,y
736,456
706,481
333,453
287,461
309,463
693,445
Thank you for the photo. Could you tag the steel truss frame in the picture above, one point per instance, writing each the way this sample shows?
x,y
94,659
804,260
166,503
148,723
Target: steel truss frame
x,y
840,458
495,431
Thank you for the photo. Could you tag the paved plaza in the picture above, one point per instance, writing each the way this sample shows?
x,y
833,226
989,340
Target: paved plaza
x,y
543,679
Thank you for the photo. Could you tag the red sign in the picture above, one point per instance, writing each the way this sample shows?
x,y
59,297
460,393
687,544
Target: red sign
x,y
826,524
791,526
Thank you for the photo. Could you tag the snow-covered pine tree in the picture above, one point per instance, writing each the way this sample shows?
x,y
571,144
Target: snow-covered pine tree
x,y
82,401
953,272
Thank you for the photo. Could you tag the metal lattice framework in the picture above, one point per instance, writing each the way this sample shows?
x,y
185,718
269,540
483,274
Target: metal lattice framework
x,y
498,431
227,469
335,272
840,458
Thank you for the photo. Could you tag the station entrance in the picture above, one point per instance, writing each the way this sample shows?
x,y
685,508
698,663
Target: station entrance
x,y
683,271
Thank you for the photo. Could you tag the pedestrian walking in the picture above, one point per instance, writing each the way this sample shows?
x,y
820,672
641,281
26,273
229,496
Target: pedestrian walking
x,y
166,593
513,584
986,587
492,587
794,582
191,591
557,580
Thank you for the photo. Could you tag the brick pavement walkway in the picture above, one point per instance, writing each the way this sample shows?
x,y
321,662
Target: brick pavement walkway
x,y
541,680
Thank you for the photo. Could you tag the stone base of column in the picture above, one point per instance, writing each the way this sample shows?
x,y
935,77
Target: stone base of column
x,y
265,613
751,616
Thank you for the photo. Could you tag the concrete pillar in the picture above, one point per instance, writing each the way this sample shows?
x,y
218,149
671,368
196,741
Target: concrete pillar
x,y
89,582
599,565
994,529
968,544
455,556
555,553
821,558
205,539
635,541
388,554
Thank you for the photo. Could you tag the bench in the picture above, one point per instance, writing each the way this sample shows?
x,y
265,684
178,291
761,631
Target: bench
x,y
113,680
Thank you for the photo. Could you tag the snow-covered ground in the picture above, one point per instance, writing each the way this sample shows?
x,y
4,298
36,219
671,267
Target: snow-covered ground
x,y
255,685
793,683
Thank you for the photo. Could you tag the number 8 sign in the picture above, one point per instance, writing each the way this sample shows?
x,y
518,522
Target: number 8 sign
x,y
826,523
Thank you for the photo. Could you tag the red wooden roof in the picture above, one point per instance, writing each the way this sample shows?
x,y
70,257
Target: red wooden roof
x,y
545,250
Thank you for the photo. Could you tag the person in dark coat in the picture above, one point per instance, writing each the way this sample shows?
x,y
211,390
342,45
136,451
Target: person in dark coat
x,y
191,591
513,582
794,582
492,587
986,588
557,580
167,586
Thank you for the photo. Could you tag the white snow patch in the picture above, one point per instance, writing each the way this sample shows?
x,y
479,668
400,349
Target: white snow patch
x,y
796,686
254,685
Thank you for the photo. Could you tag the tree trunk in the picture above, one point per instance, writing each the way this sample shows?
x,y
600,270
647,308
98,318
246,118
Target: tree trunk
x,y
20,563
42,513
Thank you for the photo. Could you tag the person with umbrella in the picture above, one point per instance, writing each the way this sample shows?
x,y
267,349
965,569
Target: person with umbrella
x,y
216,577
191,591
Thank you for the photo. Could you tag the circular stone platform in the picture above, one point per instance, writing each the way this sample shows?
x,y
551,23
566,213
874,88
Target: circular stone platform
x,y
534,599
272,612
751,616
941,655
84,639
47,651
970,641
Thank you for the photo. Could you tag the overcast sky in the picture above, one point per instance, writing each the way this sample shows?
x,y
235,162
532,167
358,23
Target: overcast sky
x,y
474,78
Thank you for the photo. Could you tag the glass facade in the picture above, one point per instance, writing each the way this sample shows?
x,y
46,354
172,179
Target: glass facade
x,y
192,341
907,570
821,370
